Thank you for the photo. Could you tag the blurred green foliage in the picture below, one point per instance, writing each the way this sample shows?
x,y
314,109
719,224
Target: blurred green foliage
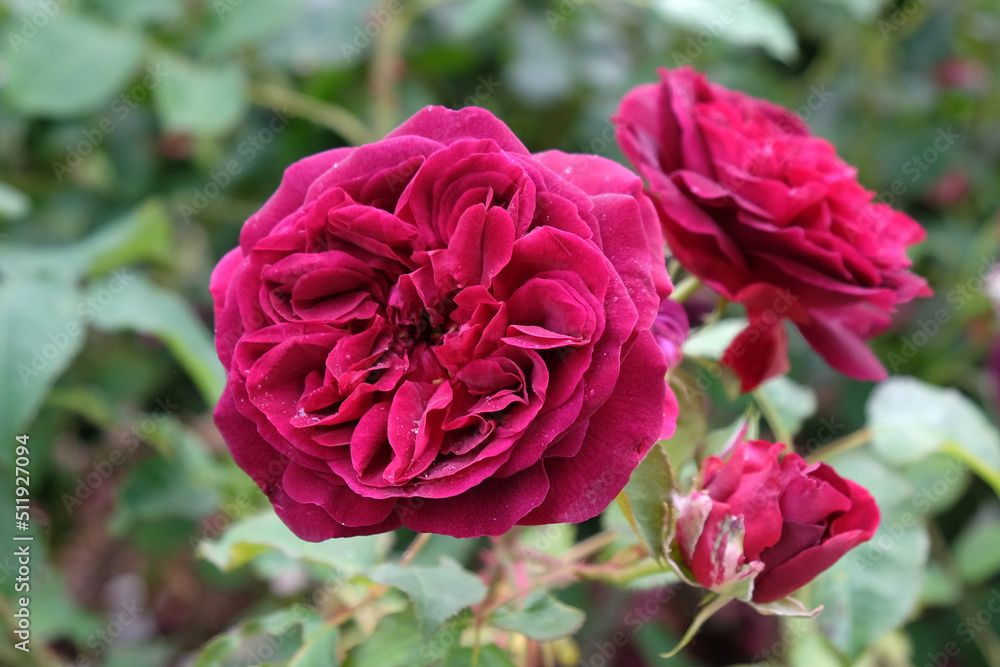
x,y
137,136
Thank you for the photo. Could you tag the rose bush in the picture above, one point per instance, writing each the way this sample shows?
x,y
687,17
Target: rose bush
x,y
781,523
770,217
443,331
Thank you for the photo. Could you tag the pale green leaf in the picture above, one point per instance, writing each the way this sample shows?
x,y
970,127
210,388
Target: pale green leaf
x,y
542,618
647,495
872,590
711,340
786,405
740,22
977,551
487,656
137,304
200,99
250,536
239,22
910,420
93,62
437,592
41,332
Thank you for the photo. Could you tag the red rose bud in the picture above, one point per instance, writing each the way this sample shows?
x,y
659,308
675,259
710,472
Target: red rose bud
x,y
951,189
781,523
443,331
769,216
964,74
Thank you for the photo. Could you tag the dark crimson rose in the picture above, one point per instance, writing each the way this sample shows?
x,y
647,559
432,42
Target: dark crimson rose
x,y
782,523
770,217
443,331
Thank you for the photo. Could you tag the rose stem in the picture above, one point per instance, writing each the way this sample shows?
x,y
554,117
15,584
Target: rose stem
x,y
685,289
847,443
416,545
335,117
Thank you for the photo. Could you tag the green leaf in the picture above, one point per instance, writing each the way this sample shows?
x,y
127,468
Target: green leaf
x,y
872,590
465,20
14,204
692,421
40,334
941,481
143,11
147,308
810,648
233,645
318,650
910,420
487,656
396,642
863,10
141,235
711,340
183,483
446,639
647,496
552,539
786,405
740,22
891,490
94,62
977,551
246,21
148,652
200,99
542,618
445,545
437,592
942,588
251,536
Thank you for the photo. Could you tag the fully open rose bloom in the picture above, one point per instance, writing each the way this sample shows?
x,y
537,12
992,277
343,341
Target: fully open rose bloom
x,y
770,217
443,331
780,522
